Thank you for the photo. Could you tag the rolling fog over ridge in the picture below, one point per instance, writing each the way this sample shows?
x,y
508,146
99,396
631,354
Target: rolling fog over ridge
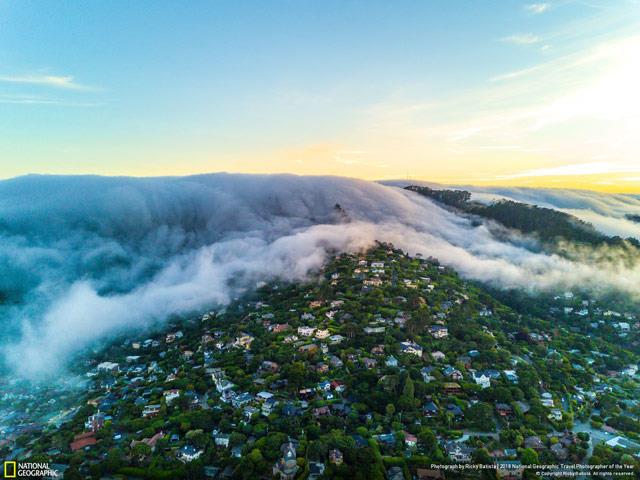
x,y
98,255
607,212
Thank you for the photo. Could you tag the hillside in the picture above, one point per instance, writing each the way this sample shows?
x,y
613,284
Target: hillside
x,y
547,224
383,365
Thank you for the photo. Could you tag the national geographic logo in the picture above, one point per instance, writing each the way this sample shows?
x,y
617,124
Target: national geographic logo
x,y
28,469
10,469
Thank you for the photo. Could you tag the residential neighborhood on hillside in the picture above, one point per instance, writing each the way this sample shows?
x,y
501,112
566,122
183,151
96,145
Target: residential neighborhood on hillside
x,y
383,367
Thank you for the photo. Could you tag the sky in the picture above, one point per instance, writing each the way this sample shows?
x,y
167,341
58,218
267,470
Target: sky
x,y
486,93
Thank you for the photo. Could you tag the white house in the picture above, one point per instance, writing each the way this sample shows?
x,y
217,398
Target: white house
x,y
171,395
482,380
411,348
189,453
108,367
306,331
322,334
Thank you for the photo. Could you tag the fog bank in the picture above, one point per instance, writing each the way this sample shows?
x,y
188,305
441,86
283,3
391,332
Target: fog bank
x,y
85,257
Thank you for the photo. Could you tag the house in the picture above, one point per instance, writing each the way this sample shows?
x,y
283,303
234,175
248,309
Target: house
x,y
373,330
151,410
170,395
336,339
455,411
320,411
221,439
241,400
410,441
263,396
270,367
504,409
483,380
438,355
411,348
452,373
95,422
280,327
547,400
151,442
189,453
306,331
391,361
224,385
336,457
338,386
559,451
110,367
451,388
211,471
249,412
387,439
491,373
286,467
269,406
533,442
511,376
335,361
426,374
309,349
430,409
322,368
322,334
555,414
439,331
83,440
243,341
369,362
458,452
316,470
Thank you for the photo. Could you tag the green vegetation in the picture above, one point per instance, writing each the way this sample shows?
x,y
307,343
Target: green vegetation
x,y
382,364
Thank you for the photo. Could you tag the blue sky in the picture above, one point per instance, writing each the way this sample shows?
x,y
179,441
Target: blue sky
x,y
159,87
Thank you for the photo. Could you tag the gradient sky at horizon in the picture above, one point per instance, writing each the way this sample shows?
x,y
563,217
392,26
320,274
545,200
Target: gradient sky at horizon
x,y
494,92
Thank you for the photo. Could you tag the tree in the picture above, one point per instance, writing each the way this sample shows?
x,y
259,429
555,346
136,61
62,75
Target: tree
x,y
72,473
140,451
409,389
480,416
529,457
481,456
390,410
428,441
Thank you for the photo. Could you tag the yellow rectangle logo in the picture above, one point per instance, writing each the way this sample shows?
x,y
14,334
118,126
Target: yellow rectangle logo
x,y
10,469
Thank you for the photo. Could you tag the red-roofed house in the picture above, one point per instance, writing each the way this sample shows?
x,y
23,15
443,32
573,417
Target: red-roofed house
x,y
83,440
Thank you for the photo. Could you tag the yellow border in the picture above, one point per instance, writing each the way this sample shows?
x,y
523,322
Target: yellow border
x,y
15,469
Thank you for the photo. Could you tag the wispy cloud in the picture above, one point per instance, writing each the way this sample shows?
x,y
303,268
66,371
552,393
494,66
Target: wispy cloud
x,y
521,39
53,81
537,8
39,100
590,168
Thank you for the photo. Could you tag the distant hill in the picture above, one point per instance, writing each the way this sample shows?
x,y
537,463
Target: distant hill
x,y
547,224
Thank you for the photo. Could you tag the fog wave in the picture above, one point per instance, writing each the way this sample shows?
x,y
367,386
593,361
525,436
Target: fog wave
x,y
85,257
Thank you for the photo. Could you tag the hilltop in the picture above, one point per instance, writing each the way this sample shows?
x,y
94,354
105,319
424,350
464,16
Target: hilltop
x,y
549,225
